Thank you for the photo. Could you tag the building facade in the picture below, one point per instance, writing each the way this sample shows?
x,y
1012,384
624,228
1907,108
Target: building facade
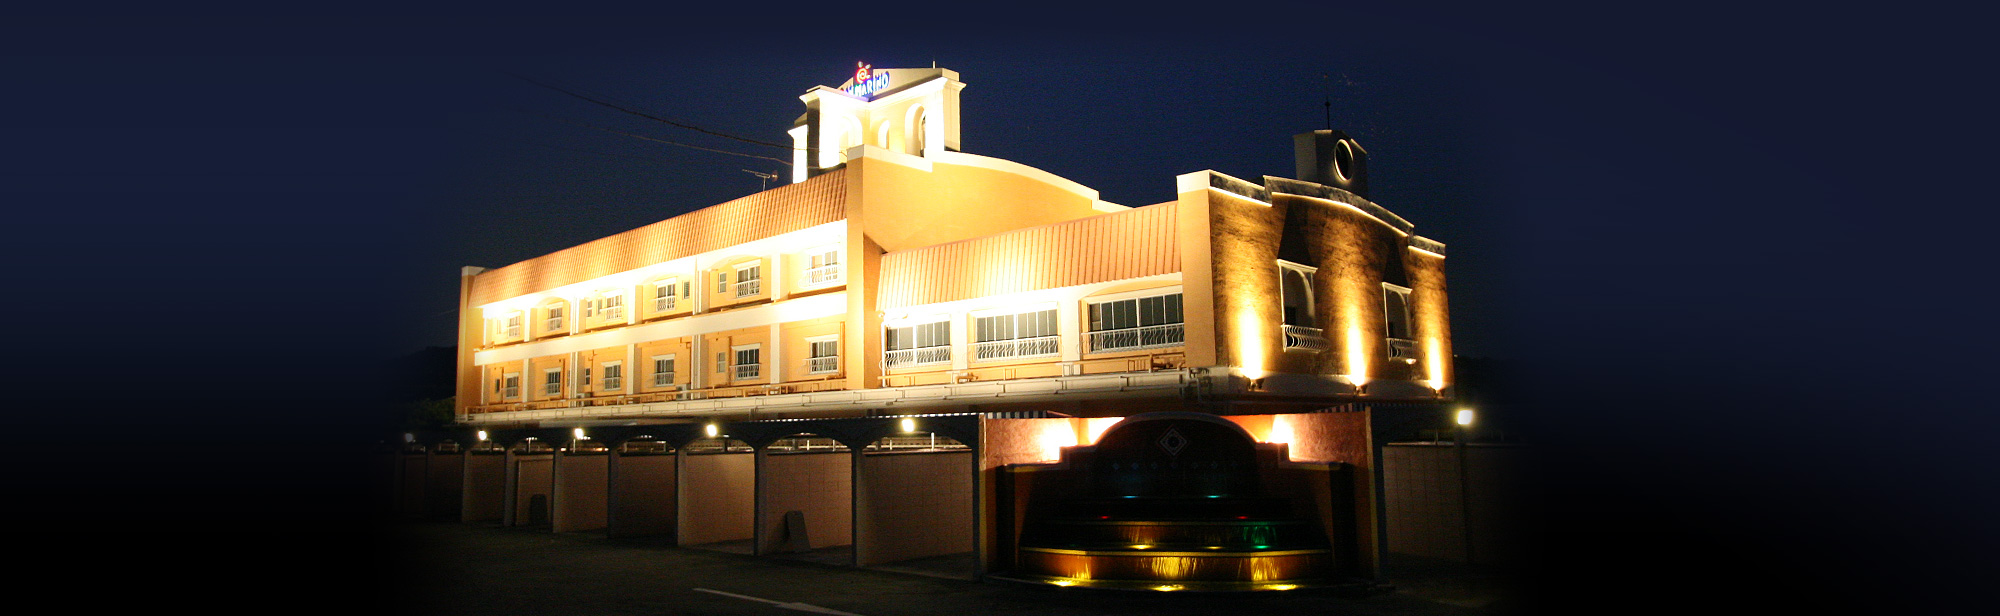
x,y
900,291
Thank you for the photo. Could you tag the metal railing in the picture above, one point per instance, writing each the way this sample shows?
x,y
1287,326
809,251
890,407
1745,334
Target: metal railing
x,y
1018,347
1302,337
663,379
1171,334
748,371
913,357
663,304
552,389
1405,350
510,392
824,273
823,365
748,288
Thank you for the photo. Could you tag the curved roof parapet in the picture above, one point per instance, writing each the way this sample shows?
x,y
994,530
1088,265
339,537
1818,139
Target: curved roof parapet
x,y
1008,166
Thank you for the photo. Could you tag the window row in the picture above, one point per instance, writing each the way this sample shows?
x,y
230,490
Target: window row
x,y
659,298
1117,325
739,363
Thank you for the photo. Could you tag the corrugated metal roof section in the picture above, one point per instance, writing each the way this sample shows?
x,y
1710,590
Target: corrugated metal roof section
x,y
785,209
1130,244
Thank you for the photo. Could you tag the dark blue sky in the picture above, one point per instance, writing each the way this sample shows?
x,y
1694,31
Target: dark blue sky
x,y
1726,245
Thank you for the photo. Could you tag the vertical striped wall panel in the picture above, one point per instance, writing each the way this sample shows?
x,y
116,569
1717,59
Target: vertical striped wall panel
x,y
1130,244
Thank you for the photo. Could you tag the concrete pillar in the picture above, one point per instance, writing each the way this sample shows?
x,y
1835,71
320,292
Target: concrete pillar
x,y
758,534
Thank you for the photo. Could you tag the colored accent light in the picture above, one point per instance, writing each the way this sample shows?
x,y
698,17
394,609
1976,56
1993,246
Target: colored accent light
x,y
1282,586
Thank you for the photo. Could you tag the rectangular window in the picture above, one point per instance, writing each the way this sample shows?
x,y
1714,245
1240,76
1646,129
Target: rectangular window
x,y
1024,334
663,370
555,321
552,382
663,295
583,379
749,280
1396,320
614,307
722,282
512,388
1295,289
748,361
514,325
825,356
721,361
1139,323
614,376
823,266
923,343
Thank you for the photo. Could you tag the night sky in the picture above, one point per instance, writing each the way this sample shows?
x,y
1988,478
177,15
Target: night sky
x,y
1720,253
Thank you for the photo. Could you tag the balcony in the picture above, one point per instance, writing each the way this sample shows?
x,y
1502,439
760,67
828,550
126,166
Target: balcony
x,y
1403,350
1149,337
1302,337
663,304
748,371
1018,347
823,365
823,274
663,379
917,357
748,288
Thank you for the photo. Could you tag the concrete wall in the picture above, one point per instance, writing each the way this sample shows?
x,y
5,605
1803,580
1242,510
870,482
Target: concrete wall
x,y
818,484
483,497
533,476
717,498
1427,512
643,496
580,491
912,505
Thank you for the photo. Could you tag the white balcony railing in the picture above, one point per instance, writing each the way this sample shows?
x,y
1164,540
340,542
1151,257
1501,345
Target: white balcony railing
x,y
1152,336
510,392
552,389
1404,350
663,304
1302,337
822,274
748,288
663,379
748,371
823,365
914,357
1018,347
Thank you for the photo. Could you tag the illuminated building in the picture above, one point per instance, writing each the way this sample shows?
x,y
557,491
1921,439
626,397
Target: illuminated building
x,y
792,360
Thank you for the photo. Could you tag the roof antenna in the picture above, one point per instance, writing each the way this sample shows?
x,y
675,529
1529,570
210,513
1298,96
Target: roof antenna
x,y
1328,80
762,178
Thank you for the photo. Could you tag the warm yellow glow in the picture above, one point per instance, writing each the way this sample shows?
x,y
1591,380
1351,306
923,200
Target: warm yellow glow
x,y
1097,425
1281,586
1168,587
1465,417
712,430
1142,546
1063,582
909,425
1434,363
482,435
579,433
1357,357
1281,430
1250,344
1056,434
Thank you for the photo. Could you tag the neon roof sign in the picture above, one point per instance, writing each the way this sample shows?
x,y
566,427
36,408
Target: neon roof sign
x,y
867,82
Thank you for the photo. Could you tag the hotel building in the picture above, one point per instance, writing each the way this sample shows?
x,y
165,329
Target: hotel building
x,y
912,352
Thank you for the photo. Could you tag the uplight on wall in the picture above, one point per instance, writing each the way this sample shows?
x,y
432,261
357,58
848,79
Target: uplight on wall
x,y
1357,358
1055,435
1434,363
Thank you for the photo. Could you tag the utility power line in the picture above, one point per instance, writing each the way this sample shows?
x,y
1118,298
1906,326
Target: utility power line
x,y
653,117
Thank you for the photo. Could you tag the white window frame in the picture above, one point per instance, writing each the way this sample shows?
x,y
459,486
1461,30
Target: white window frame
x,y
554,321
1015,346
822,266
1300,336
552,372
738,370
670,358
1402,349
614,375
664,303
1140,336
611,304
510,385
749,279
822,364
513,323
937,353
